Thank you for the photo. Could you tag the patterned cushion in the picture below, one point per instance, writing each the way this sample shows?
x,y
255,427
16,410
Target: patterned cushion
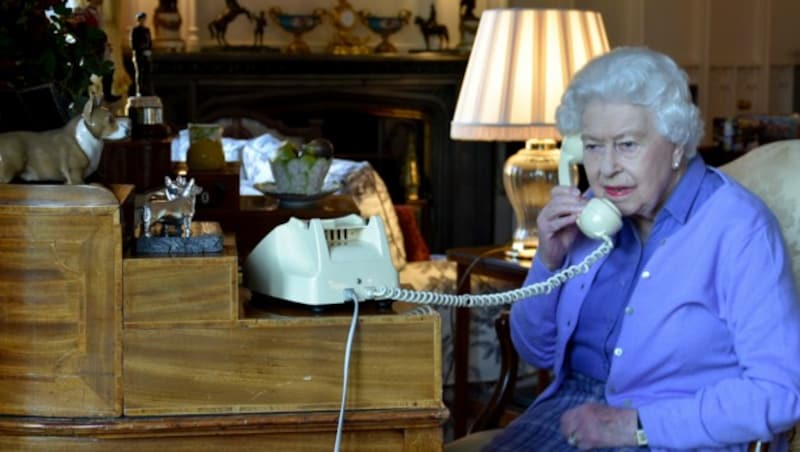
x,y
771,172
416,248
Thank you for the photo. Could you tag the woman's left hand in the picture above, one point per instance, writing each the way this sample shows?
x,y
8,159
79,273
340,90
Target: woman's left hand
x,y
593,425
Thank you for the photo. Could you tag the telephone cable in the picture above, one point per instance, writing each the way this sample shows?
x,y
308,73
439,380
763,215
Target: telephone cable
x,y
499,298
350,294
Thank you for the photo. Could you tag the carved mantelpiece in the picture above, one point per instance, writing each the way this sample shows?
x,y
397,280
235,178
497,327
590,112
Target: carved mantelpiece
x,y
369,106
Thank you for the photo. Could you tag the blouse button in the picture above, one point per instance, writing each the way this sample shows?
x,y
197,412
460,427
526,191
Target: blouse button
x,y
628,310
617,351
645,274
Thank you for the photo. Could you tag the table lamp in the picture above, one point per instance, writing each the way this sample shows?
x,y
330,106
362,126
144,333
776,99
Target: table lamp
x,y
520,65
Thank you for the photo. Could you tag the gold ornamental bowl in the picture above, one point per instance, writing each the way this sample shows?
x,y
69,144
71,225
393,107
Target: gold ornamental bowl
x,y
296,24
385,27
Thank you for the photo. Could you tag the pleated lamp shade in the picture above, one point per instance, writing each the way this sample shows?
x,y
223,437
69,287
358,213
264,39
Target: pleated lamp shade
x,y
520,64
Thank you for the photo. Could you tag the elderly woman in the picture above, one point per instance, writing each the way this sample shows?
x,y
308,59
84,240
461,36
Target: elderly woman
x,y
687,335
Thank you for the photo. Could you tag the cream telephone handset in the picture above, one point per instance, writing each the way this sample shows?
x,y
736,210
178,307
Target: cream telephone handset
x,y
600,218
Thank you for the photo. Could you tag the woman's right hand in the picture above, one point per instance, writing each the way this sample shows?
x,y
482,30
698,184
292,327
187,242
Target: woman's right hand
x,y
557,227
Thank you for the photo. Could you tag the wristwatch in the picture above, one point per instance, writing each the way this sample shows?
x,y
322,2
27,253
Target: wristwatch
x,y
640,435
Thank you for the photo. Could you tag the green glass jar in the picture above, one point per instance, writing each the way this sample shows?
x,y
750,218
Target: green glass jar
x,y
205,148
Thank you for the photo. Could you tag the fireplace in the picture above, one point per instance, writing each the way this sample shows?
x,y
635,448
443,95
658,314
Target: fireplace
x,y
383,109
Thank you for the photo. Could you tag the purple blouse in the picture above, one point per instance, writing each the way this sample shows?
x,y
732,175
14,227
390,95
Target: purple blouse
x,y
592,345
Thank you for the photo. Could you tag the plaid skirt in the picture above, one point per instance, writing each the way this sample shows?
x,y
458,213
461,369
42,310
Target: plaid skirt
x,y
537,429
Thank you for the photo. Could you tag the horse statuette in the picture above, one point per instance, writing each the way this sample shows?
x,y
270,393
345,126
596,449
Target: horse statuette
x,y
430,27
219,26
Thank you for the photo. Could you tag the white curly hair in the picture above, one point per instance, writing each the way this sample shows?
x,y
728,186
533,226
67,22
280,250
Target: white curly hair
x,y
636,76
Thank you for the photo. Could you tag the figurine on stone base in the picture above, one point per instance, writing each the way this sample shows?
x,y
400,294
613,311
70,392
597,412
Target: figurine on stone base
x,y
174,205
172,208
430,27
144,108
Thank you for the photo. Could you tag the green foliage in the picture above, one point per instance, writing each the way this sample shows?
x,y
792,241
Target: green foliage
x,y
43,41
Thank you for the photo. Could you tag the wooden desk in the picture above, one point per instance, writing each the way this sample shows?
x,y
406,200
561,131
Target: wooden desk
x,y
104,351
495,265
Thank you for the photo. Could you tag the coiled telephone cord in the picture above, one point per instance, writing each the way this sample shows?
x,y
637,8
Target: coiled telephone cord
x,y
494,299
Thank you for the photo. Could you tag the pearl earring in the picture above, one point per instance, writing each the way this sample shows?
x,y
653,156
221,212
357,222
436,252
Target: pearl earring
x,y
676,164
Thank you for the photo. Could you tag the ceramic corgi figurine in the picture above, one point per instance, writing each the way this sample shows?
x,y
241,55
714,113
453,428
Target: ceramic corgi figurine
x,y
68,154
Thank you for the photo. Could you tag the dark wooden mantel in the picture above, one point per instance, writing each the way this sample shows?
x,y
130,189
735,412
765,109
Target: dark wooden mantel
x,y
256,63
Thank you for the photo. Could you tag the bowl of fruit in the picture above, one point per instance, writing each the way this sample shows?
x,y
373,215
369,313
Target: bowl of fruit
x,y
299,172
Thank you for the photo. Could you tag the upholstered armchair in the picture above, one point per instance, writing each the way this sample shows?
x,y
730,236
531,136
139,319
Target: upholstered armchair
x,y
771,172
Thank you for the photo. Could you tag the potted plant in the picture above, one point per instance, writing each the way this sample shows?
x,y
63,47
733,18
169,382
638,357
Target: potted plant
x,y
45,43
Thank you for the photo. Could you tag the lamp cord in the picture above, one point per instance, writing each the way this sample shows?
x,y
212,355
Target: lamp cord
x,y
474,262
